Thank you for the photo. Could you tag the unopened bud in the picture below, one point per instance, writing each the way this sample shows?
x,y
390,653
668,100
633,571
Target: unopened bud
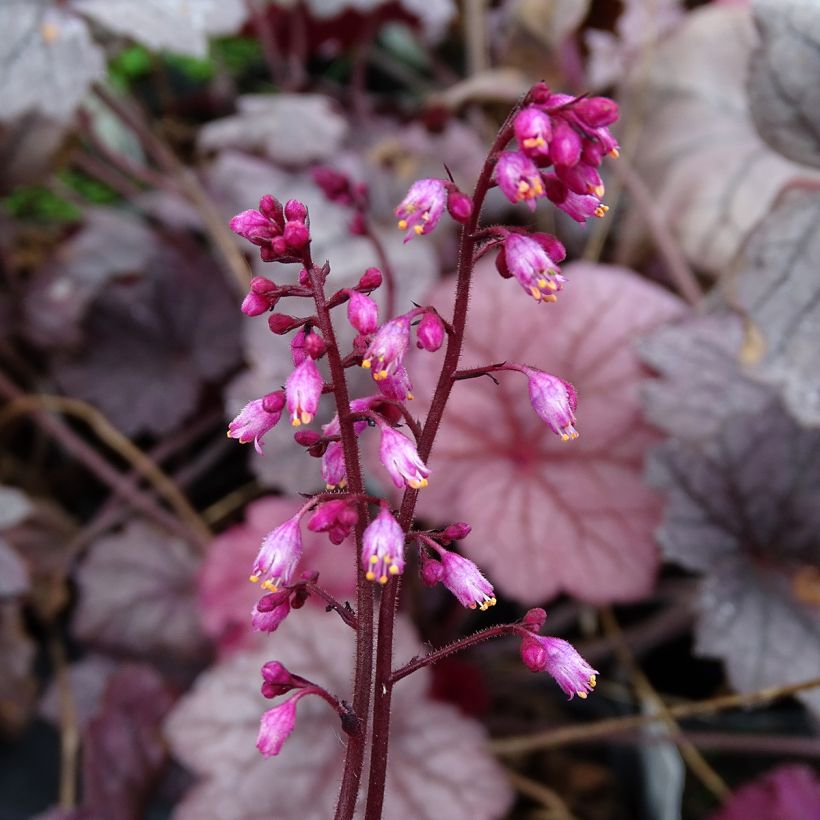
x,y
315,345
371,279
534,619
295,211
430,332
459,205
457,531
306,438
280,323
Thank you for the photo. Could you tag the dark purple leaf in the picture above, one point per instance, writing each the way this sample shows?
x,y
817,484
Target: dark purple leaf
x,y
153,340
783,88
779,287
788,793
47,60
742,508
137,593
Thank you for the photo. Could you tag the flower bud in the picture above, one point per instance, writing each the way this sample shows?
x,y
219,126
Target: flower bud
x,y
596,112
565,146
457,531
431,570
534,619
459,206
362,312
334,184
296,235
306,438
273,402
315,345
371,279
430,332
337,518
255,305
278,680
295,211
269,612
271,208
281,323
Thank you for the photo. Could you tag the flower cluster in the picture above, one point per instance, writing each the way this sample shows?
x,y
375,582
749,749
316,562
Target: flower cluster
x,y
560,144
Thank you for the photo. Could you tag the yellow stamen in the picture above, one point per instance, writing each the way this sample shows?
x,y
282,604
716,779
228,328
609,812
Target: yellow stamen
x,y
419,229
601,210
410,397
388,559
493,601
295,423
551,285
366,364
598,190
542,283
370,575
254,579
307,418
614,153
394,570
269,585
564,437
536,294
582,695
533,142
550,298
402,224
374,559
424,482
592,680
383,580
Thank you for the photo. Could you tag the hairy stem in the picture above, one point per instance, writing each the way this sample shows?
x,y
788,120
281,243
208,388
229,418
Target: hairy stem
x,y
354,755
387,610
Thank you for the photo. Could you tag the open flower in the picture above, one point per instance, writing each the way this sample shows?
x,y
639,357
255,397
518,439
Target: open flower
x,y
420,211
401,459
554,400
464,579
560,658
277,724
527,259
519,178
279,554
388,347
303,389
256,418
383,547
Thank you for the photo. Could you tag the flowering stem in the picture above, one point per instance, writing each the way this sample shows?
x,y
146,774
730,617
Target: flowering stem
x,y
383,689
354,756
457,646
386,269
344,610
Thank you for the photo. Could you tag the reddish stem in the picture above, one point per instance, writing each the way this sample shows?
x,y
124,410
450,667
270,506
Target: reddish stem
x,y
354,755
383,688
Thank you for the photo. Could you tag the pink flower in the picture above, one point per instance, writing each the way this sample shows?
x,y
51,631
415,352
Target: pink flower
x,y
278,680
296,232
362,312
383,547
566,144
277,725
270,610
279,554
256,419
388,347
571,672
519,178
336,518
528,261
430,332
582,179
397,386
463,578
596,112
579,207
262,296
554,401
420,211
400,458
459,205
303,389
266,228
334,472
533,130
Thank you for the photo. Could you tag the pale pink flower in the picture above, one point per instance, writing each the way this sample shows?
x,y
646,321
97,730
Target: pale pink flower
x,y
383,547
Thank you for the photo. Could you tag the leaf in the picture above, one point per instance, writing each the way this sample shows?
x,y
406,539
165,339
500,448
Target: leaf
x,y
711,175
89,679
17,684
703,383
238,181
789,792
177,25
47,60
176,327
137,593
111,244
783,92
123,749
14,507
293,129
741,507
226,597
438,766
548,516
779,287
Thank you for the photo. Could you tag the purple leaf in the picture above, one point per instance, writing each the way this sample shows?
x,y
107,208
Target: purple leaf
x,y
176,25
703,383
787,793
137,593
293,129
779,288
14,578
438,766
89,680
711,175
742,509
47,60
175,326
549,516
783,89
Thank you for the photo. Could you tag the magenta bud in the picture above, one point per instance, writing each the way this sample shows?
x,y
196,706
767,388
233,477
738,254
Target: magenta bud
x,y
336,518
362,312
255,305
296,235
540,94
596,112
371,279
279,246
534,619
430,332
299,598
278,680
431,571
565,145
270,611
457,531
262,285
459,206
295,211
333,184
304,278
280,323
273,402
315,345
319,449
272,209
306,438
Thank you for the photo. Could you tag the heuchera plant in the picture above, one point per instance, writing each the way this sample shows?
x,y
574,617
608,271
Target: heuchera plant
x,y
560,144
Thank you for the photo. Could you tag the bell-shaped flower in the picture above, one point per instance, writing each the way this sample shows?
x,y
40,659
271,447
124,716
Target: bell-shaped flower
x,y
387,348
420,211
554,401
560,658
383,547
278,556
256,419
303,389
401,459
519,178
